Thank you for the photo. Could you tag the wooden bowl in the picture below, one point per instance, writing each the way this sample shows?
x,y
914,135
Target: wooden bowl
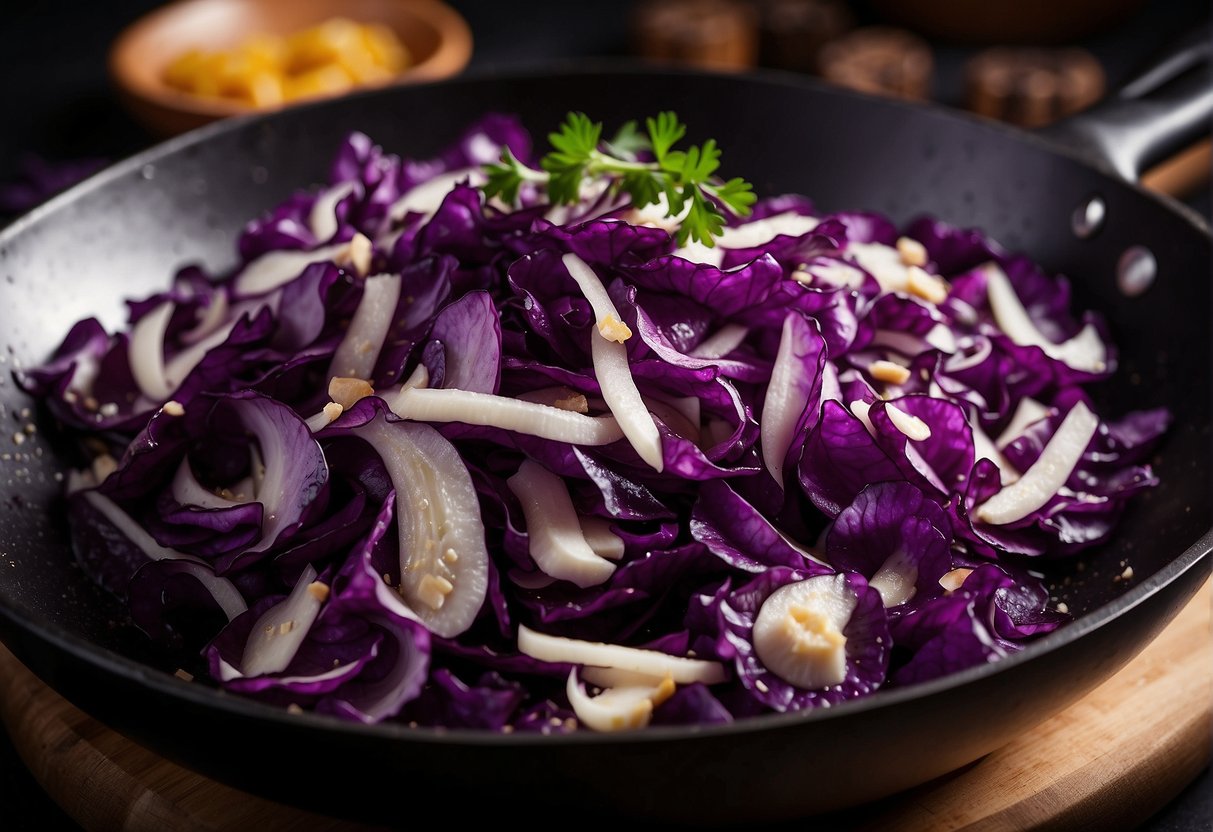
x,y
437,37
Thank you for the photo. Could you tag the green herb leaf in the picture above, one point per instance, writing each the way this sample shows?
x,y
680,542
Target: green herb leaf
x,y
685,178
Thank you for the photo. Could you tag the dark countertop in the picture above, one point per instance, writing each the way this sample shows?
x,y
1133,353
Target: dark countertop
x,y
57,103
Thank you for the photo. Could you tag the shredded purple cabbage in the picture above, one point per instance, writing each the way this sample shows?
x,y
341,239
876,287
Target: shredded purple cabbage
x,y
256,526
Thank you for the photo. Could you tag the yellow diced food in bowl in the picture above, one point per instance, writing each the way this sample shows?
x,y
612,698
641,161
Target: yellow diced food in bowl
x,y
268,70
325,80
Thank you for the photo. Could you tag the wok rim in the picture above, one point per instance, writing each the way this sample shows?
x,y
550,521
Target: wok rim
x,y
31,623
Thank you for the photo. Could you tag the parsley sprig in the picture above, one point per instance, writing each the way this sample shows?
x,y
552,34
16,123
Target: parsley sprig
x,y
642,164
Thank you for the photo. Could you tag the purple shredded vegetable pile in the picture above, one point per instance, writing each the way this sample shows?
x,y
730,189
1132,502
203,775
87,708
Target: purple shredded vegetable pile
x,y
826,482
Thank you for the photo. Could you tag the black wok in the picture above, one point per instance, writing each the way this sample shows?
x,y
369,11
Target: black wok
x,y
123,233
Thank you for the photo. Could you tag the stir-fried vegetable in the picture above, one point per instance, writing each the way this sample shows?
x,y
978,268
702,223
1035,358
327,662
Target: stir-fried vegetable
x,y
600,444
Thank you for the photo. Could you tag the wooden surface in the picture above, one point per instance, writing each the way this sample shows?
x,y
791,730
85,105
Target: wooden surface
x,y
1108,762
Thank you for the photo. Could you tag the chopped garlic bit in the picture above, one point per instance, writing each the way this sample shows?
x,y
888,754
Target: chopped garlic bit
x,y
173,408
359,254
349,391
913,253
563,398
327,415
614,329
798,633
909,424
927,286
433,589
889,372
1063,608
318,591
954,580
184,675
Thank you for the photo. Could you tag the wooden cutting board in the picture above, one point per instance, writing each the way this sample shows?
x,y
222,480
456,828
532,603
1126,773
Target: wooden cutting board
x,y
1108,762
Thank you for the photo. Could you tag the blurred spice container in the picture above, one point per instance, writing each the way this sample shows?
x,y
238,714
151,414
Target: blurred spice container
x,y
1032,87
1007,21
793,32
713,34
881,60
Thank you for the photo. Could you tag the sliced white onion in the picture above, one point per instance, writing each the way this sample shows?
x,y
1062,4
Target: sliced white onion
x,y
761,232
674,418
750,235
323,217
619,390
1084,352
605,543
181,364
1028,412
798,633
280,631
146,353
942,338
605,313
189,492
983,448
784,403
530,580
212,318
359,349
638,660
1049,473
832,272
426,198
556,542
441,405
277,268
616,709
895,580
721,342
882,262
443,560
222,590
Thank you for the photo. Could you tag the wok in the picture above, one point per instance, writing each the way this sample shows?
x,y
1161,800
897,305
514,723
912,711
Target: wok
x,y
123,232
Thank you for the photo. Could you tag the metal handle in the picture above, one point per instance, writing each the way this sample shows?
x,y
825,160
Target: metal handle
x,y
1161,111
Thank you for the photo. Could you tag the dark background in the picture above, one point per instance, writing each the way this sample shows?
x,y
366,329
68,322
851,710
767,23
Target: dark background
x,y
55,101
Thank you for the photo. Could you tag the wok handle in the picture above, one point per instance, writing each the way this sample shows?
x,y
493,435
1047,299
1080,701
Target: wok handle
x,y
1161,111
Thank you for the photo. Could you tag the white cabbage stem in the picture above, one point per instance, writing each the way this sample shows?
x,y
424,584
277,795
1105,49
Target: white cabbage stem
x,y
280,631
359,349
146,353
1084,352
618,708
277,268
427,197
222,590
443,558
442,405
638,660
1047,475
323,216
556,542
